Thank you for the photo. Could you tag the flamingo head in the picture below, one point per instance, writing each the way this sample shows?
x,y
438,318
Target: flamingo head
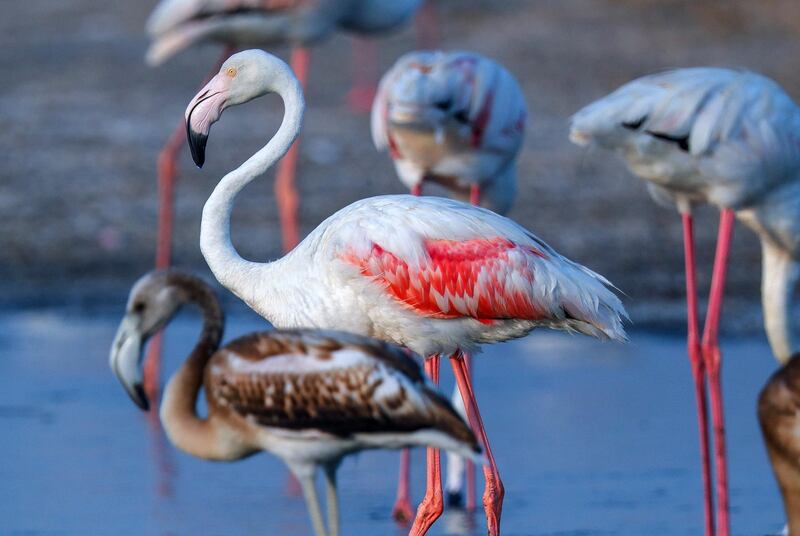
x,y
243,77
153,301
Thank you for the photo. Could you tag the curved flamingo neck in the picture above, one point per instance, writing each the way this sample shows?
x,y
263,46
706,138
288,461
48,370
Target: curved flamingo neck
x,y
185,428
230,269
780,277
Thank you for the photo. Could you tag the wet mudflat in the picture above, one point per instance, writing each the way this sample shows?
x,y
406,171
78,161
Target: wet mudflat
x,y
591,438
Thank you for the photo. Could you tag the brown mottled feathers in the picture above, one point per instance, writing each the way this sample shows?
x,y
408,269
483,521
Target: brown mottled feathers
x,y
333,382
779,412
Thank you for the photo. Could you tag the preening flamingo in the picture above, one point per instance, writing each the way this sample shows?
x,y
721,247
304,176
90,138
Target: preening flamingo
x,y
779,416
434,275
453,118
456,119
730,138
308,397
178,24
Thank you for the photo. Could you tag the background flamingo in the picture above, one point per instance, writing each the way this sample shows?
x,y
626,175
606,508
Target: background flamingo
x,y
456,119
453,118
178,24
431,274
730,138
308,397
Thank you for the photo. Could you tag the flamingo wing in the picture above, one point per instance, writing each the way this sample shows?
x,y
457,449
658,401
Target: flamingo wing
x,y
330,382
445,259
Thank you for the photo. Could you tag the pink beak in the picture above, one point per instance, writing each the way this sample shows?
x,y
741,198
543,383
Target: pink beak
x,y
203,111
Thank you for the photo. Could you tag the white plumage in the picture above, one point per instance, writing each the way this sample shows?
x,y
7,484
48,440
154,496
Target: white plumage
x,y
456,118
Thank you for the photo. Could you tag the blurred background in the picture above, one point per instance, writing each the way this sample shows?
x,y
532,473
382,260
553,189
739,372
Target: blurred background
x,y
83,119
610,446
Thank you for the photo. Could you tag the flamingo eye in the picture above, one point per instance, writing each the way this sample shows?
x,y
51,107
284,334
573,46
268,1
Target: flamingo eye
x,y
138,307
231,71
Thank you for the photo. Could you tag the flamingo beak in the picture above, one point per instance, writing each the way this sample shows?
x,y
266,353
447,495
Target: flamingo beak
x,y
203,111
126,360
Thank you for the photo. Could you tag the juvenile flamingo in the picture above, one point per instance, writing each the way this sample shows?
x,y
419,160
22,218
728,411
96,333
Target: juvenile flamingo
x,y
456,119
779,416
730,138
178,24
308,397
452,118
434,275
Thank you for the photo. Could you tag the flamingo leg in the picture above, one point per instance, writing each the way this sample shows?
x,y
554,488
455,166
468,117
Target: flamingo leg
x,y
494,491
698,369
285,191
365,69
474,195
166,171
306,478
427,26
332,498
416,190
402,511
470,465
713,362
432,505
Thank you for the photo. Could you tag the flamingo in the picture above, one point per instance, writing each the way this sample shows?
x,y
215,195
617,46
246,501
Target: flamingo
x,y
434,275
308,397
456,119
779,416
729,138
452,118
178,24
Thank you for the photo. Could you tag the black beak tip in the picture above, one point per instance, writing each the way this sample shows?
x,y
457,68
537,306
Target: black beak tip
x,y
140,398
197,144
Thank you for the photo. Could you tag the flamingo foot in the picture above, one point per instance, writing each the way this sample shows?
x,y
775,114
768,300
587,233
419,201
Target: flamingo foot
x,y
493,502
361,97
430,509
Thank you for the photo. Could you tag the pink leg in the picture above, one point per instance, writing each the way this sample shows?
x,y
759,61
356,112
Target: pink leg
x,y
417,189
494,491
427,26
698,369
365,69
166,171
432,505
285,191
474,195
713,359
402,512
470,465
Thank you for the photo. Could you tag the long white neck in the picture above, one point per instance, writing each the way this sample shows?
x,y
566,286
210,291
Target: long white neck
x,y
780,277
230,269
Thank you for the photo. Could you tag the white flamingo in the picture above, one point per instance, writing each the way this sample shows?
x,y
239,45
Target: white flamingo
x,y
435,275
730,138
453,118
456,119
176,25
308,397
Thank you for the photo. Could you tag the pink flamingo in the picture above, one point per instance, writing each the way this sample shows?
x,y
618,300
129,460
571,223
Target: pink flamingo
x,y
453,118
309,397
730,138
178,24
456,119
434,275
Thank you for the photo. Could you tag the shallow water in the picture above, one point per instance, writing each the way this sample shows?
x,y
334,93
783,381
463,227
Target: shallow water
x,y
591,438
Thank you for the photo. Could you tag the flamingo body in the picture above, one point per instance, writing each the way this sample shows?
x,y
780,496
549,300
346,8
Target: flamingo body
x,y
179,24
308,397
431,274
455,118
703,134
